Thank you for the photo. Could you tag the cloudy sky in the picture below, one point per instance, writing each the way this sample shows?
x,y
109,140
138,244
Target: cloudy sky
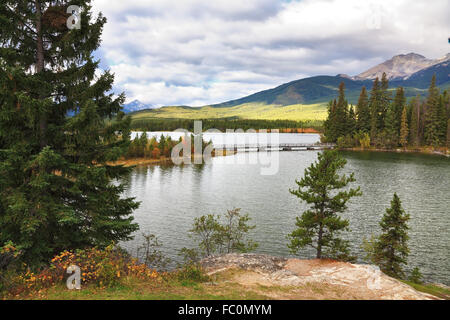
x,y
198,52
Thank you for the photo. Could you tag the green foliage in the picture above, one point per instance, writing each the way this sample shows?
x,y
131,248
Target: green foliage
x,y
347,141
214,236
391,124
208,230
416,276
390,250
149,253
190,269
319,227
191,273
55,185
433,132
363,139
404,132
234,230
398,105
363,112
414,133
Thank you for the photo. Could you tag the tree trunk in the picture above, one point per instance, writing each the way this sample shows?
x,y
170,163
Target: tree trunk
x,y
40,64
319,242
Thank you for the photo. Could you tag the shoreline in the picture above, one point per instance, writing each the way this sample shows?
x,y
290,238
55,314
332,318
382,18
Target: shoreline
x,y
145,162
283,130
424,150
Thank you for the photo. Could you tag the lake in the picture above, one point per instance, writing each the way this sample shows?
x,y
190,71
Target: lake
x,y
172,196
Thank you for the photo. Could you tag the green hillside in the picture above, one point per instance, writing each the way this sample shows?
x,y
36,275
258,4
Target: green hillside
x,y
259,111
299,100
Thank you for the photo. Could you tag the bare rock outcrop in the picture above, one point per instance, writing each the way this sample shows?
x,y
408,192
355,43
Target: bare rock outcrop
x,y
342,280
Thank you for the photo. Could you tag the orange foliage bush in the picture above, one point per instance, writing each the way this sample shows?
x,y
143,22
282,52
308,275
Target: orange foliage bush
x,y
102,267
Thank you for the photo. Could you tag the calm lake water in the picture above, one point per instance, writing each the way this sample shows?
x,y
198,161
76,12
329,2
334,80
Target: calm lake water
x,y
172,196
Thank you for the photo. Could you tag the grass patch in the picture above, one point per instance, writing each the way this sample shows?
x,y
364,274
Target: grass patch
x,y
432,289
131,288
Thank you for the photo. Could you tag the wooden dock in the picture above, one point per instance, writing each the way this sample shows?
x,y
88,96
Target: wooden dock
x,y
275,147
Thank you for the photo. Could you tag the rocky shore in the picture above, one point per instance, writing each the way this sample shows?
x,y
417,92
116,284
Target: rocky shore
x,y
311,279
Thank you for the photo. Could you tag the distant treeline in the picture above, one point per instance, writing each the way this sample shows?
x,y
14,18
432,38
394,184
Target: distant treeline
x,y
143,147
222,124
382,121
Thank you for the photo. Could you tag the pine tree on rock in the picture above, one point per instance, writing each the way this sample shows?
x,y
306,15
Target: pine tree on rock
x,y
391,250
55,184
319,226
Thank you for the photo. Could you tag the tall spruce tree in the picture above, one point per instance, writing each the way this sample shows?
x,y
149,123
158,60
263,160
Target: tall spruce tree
x,y
375,107
390,133
404,128
391,249
337,122
319,226
397,105
414,132
55,183
432,122
448,134
330,123
442,119
385,101
363,111
342,113
351,121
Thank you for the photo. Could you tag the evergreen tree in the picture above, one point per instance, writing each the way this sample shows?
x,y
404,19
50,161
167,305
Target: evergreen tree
x,y
55,185
442,120
363,112
390,132
432,122
320,225
385,101
337,122
404,128
143,141
351,121
448,133
414,132
397,105
391,250
374,106
342,113
330,123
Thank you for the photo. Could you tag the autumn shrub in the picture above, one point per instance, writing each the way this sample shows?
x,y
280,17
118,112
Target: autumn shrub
x,y
102,267
9,255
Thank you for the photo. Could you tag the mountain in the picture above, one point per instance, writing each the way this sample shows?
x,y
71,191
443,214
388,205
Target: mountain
x,y
400,67
306,99
422,78
136,105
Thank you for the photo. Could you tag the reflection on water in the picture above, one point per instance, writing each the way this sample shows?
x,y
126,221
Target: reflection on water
x,y
172,196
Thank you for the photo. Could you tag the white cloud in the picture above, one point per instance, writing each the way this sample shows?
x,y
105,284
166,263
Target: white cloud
x,y
196,52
